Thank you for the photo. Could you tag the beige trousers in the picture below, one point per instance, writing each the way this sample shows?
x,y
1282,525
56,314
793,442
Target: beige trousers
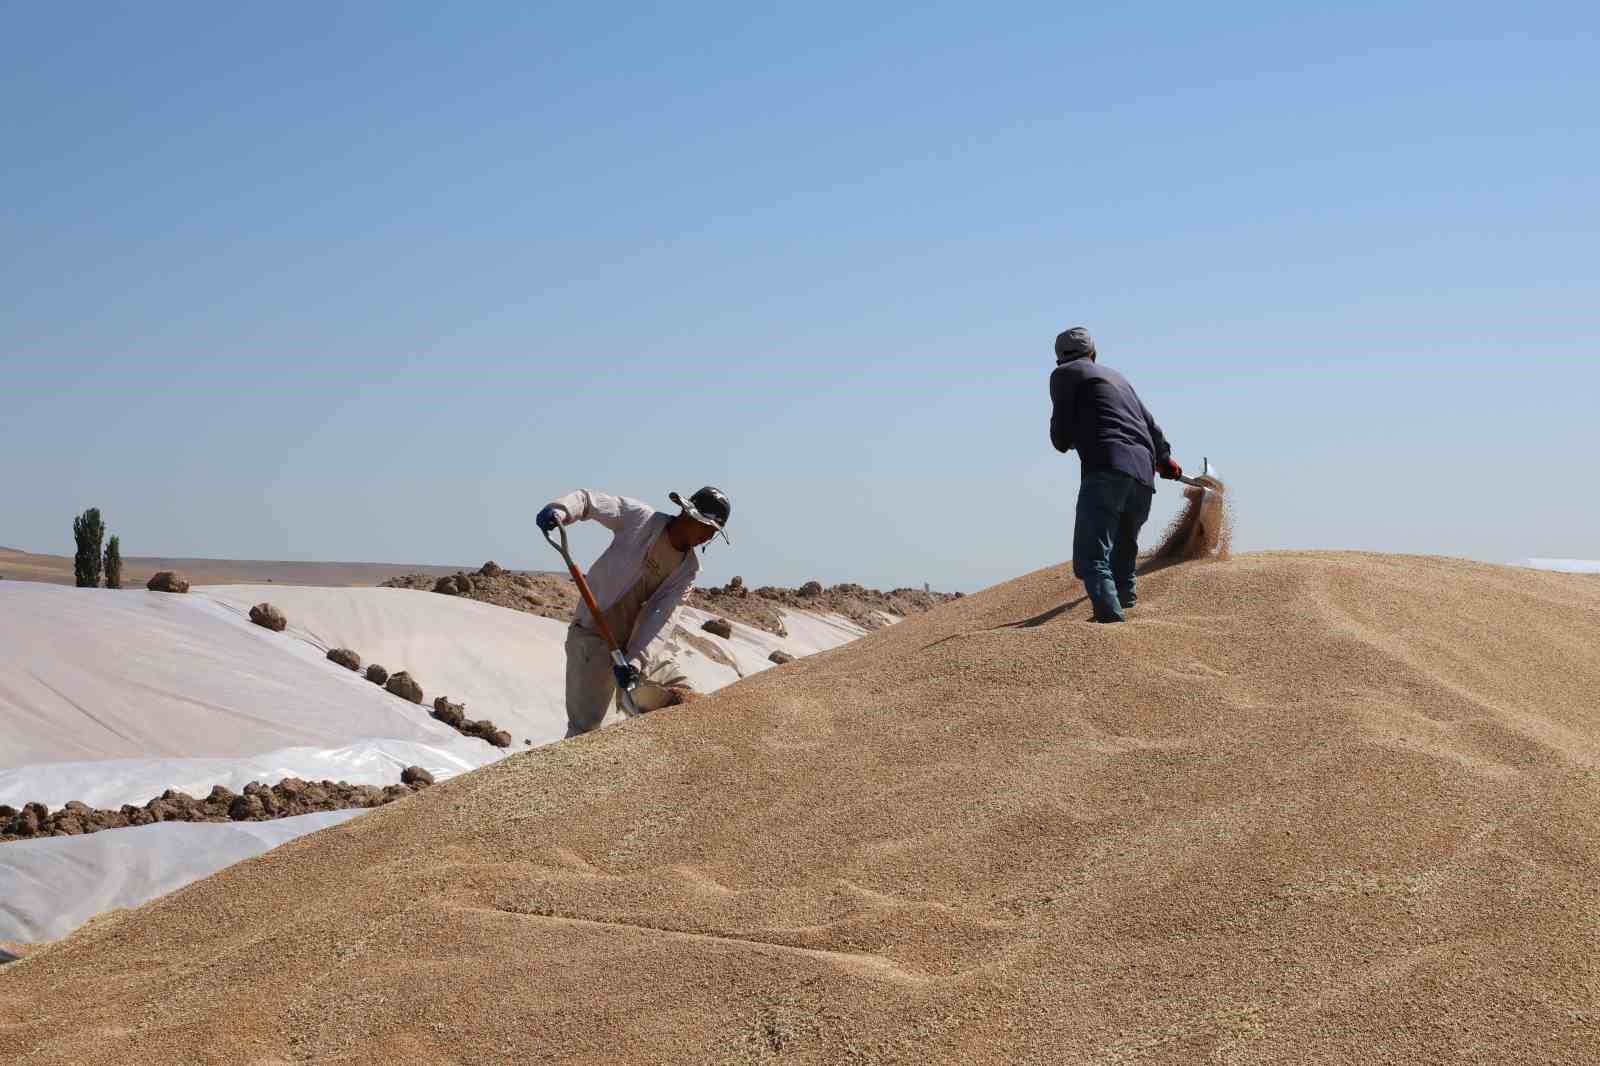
x,y
592,688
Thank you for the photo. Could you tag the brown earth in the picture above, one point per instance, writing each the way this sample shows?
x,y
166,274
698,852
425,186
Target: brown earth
x,y
863,606
555,596
257,803
1302,808
454,716
534,592
544,593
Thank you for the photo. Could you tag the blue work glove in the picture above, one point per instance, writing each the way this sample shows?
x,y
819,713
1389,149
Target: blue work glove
x,y
627,676
549,518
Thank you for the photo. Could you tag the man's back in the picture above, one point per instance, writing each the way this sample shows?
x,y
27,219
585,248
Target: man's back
x,y
1097,411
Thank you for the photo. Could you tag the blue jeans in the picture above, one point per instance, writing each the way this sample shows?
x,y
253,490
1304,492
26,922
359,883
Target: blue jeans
x,y
1112,508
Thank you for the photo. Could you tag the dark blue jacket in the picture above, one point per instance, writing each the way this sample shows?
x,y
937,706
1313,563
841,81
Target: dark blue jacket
x,y
1097,412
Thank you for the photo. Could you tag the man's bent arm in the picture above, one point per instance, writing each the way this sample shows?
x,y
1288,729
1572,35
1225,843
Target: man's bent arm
x,y
655,615
1063,398
586,504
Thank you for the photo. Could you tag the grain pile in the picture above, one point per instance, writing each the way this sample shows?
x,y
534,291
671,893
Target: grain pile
x,y
1302,808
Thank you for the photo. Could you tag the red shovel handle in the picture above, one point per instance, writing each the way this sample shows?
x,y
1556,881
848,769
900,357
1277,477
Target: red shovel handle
x,y
617,655
583,587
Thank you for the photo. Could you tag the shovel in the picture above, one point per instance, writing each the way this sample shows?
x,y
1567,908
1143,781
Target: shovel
x,y
617,658
1204,481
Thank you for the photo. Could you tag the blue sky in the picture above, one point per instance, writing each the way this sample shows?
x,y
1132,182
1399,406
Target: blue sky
x,y
374,281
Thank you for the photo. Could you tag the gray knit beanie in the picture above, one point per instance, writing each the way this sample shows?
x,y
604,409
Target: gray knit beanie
x,y
1074,343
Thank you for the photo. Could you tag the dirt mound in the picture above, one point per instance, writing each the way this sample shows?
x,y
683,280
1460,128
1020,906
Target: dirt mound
x,y
546,595
257,803
866,607
555,596
454,715
1330,808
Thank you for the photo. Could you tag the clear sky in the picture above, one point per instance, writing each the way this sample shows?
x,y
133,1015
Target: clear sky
x,y
374,281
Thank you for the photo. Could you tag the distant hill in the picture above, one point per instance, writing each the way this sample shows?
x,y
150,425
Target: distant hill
x,y
16,565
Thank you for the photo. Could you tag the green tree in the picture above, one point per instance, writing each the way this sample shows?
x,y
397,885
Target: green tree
x,y
114,563
89,532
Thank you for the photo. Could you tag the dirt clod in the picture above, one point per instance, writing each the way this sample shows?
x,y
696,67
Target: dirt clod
x,y
268,617
258,802
345,658
167,581
403,685
454,716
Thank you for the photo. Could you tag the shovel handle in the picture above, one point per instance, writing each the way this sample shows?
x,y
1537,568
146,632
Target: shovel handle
x,y
1198,482
617,657
583,585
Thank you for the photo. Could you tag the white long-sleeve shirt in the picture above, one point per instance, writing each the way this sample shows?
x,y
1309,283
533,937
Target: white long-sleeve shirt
x,y
635,527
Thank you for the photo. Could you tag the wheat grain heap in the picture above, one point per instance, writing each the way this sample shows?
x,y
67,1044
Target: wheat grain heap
x,y
1303,807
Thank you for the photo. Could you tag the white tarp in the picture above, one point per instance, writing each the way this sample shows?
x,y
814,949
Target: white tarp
x,y
1564,566
114,782
112,697
91,674
506,666
749,650
49,887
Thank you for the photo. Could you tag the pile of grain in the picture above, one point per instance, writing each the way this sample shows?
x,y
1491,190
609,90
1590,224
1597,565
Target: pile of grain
x,y
1331,808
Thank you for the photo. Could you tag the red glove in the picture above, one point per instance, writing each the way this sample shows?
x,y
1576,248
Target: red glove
x,y
1169,469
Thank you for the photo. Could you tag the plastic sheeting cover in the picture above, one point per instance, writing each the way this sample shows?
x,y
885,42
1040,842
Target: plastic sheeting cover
x,y
1564,566
50,887
506,666
114,782
112,697
92,674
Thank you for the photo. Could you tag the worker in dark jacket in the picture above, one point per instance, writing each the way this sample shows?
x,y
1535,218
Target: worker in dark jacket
x,y
1097,412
